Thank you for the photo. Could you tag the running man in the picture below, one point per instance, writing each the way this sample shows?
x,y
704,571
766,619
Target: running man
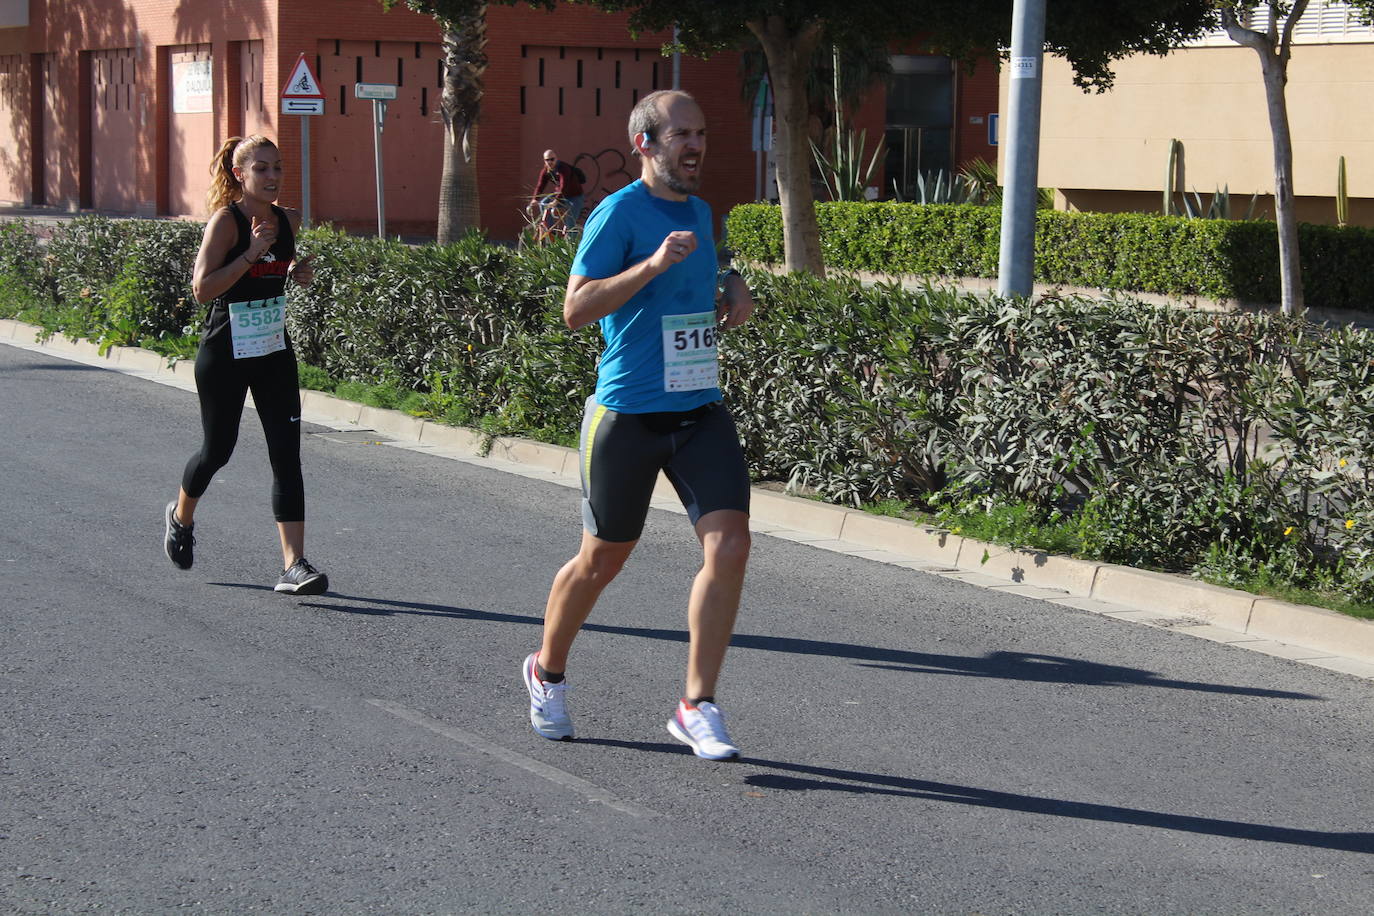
x,y
646,270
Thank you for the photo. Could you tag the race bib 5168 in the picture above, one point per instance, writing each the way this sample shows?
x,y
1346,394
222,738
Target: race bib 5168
x,y
689,352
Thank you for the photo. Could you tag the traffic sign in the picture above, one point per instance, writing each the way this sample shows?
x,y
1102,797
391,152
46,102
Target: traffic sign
x,y
302,96
375,91
302,106
302,84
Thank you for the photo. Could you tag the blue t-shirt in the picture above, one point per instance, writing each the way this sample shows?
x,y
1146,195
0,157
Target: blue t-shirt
x,y
627,228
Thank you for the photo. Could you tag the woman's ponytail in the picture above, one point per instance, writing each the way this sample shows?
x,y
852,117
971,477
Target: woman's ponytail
x,y
224,187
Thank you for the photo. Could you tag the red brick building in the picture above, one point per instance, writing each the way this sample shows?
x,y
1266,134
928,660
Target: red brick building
x,y
117,105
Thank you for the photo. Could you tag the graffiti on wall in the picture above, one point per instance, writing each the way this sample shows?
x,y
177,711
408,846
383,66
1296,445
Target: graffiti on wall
x,y
607,172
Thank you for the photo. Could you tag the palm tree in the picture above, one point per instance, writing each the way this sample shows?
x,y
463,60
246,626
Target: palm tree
x,y
465,65
463,24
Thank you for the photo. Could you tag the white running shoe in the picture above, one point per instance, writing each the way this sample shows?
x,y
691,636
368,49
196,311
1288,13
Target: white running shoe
x,y
704,729
548,704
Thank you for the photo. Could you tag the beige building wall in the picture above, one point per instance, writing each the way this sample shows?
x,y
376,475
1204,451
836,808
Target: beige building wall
x,y
1096,146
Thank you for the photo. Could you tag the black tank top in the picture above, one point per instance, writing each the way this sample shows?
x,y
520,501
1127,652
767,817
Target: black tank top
x,y
265,279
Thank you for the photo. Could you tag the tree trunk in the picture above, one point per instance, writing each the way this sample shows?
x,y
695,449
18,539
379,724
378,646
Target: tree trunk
x,y
459,208
1290,266
1274,49
465,64
789,56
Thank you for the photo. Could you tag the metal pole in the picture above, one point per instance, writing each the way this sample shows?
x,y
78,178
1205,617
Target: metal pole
x,y
677,60
378,116
1016,262
305,171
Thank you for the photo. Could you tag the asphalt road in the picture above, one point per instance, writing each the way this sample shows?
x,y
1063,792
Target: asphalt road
x,y
194,741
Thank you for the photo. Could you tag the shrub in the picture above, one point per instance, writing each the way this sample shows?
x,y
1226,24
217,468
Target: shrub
x,y
21,261
151,295
838,387
381,309
1133,252
84,257
1237,445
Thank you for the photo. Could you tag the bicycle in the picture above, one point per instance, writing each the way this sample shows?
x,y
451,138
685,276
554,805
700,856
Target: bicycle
x,y
547,218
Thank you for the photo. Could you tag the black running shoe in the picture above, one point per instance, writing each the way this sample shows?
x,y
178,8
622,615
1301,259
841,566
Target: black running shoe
x,y
302,579
179,539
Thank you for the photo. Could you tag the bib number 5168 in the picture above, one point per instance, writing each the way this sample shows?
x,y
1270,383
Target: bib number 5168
x,y
694,339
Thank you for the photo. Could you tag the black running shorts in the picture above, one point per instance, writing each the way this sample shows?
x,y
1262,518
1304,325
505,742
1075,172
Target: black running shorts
x,y
622,453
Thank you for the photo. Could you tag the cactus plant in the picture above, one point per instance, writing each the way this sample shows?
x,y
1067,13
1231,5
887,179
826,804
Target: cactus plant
x,y
1169,178
1342,195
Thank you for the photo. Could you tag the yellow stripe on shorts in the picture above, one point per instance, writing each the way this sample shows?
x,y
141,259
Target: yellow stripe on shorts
x,y
591,442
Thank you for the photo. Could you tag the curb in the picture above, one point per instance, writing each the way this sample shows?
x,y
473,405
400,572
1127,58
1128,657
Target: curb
x,y
1133,592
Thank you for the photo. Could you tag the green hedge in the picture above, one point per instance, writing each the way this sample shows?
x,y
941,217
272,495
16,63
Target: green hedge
x,y
477,326
1134,252
119,282
1172,438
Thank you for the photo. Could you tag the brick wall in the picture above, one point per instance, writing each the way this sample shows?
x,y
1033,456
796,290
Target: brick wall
x,y
71,147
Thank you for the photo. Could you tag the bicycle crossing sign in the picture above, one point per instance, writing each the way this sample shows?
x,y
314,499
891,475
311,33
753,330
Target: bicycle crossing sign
x,y
302,94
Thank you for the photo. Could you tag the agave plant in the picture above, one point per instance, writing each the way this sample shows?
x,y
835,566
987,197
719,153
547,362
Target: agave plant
x,y
1218,208
940,188
845,174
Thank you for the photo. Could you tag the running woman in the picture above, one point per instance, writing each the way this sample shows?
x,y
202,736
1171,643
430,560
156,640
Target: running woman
x,y
646,270
246,255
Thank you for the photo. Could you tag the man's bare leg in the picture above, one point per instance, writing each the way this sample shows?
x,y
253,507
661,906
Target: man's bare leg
x,y
715,597
575,590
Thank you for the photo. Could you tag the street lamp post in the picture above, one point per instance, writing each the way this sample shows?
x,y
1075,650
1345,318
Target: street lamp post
x,y
1016,260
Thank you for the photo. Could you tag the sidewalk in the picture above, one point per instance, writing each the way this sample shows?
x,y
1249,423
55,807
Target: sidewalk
x,y
1300,633
48,218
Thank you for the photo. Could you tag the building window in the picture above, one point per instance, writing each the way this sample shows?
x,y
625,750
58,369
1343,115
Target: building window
x,y
1324,22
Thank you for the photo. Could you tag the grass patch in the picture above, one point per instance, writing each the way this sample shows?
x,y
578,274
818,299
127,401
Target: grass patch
x,y
313,378
1264,585
1010,524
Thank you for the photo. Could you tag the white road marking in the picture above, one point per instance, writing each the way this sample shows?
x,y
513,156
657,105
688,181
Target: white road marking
x,y
543,770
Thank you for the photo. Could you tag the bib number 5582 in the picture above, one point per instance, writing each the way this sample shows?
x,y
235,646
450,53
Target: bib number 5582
x,y
260,317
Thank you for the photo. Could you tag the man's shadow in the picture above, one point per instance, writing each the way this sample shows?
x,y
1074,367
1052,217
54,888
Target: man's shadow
x,y
784,776
1012,666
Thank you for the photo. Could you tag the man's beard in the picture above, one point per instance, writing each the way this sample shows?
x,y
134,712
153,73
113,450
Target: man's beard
x,y
675,180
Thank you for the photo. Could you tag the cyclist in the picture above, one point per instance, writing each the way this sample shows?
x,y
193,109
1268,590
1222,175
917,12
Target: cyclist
x,y
565,189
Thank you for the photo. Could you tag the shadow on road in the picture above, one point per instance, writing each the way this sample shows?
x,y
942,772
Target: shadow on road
x,y
800,777
1012,666
51,367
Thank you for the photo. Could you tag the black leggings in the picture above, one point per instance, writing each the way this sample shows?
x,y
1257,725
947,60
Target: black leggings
x,y
223,384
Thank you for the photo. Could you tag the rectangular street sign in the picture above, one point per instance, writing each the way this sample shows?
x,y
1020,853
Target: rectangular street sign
x,y
376,91
302,106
